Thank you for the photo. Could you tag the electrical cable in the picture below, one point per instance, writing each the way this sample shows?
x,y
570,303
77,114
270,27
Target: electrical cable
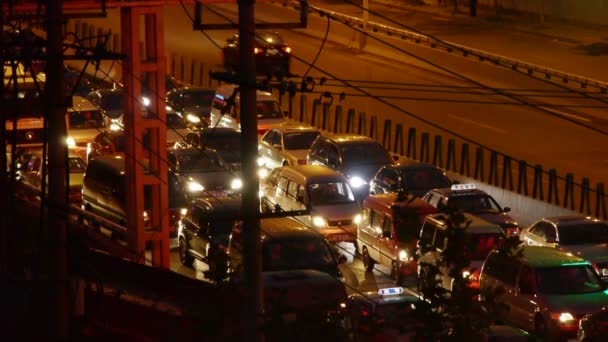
x,y
314,61
181,2
444,69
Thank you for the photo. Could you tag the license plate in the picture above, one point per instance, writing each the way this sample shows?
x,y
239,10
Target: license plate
x,y
340,237
272,51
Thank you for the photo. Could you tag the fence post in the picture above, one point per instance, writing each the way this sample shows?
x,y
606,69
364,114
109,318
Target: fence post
x,y
585,206
538,182
116,42
290,104
182,67
100,38
78,29
438,151
507,174
411,143
373,127
493,175
424,147
552,196
316,104
386,134
362,124
303,105
479,172
600,203
522,185
92,39
192,71
465,168
84,27
350,121
338,120
569,191
451,158
398,146
325,116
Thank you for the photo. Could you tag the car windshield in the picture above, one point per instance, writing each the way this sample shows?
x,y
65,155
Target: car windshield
x,y
425,178
112,101
200,162
397,315
330,193
268,110
86,119
174,121
364,153
575,279
228,146
584,233
76,165
198,98
480,245
268,38
309,253
474,203
299,140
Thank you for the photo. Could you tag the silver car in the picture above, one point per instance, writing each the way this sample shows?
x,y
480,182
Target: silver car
x,y
582,236
285,145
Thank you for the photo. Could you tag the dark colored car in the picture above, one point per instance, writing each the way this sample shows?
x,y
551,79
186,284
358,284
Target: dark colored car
x,y
226,141
358,157
413,178
593,327
272,54
112,142
205,229
191,103
196,173
467,198
111,101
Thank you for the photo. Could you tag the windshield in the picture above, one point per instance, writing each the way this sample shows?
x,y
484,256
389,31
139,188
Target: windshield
x,y
365,153
397,315
474,203
299,140
174,121
201,98
200,162
480,245
330,193
76,165
563,280
427,178
309,253
268,110
86,119
228,146
585,233
268,38
112,101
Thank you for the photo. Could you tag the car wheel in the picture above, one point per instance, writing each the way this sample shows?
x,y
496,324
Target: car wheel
x,y
368,262
395,274
540,328
185,258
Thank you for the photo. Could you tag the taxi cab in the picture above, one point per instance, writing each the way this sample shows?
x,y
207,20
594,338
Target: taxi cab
x,y
546,290
389,230
386,315
468,198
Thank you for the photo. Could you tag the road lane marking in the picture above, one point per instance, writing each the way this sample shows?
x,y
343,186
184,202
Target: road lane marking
x,y
502,131
566,114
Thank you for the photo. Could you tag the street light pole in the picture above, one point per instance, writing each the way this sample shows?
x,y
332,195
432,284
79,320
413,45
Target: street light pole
x,y
252,260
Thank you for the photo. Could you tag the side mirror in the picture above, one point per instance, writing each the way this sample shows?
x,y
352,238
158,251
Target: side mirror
x,y
506,209
277,147
342,259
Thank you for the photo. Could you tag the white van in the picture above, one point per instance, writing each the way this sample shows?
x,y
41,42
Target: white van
x,y
268,110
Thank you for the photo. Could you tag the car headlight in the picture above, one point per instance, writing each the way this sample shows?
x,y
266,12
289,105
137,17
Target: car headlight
x,y
193,118
356,182
466,274
563,317
70,142
403,256
183,211
168,108
261,161
115,127
145,101
236,184
262,172
195,186
357,219
319,221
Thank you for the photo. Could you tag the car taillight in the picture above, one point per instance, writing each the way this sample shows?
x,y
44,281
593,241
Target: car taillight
x,y
256,50
287,49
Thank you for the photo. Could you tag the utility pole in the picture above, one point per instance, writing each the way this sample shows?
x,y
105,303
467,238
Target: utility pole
x,y
4,197
252,249
57,156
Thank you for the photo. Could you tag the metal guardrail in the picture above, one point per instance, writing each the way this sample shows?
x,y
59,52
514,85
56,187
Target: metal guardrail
x,y
450,47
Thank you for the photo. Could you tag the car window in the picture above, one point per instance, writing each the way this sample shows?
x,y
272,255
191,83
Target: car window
x,y
282,186
364,153
76,165
197,98
575,279
268,110
292,189
112,101
332,156
174,121
501,267
268,138
387,227
540,229
425,178
276,139
85,119
584,233
319,148
330,193
299,140
474,203
200,162
426,236
439,240
375,219
273,178
284,254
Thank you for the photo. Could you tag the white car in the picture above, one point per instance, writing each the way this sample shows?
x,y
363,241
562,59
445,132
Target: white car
x,y
285,145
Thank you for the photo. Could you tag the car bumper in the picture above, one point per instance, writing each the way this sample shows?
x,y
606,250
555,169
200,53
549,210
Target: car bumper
x,y
339,234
